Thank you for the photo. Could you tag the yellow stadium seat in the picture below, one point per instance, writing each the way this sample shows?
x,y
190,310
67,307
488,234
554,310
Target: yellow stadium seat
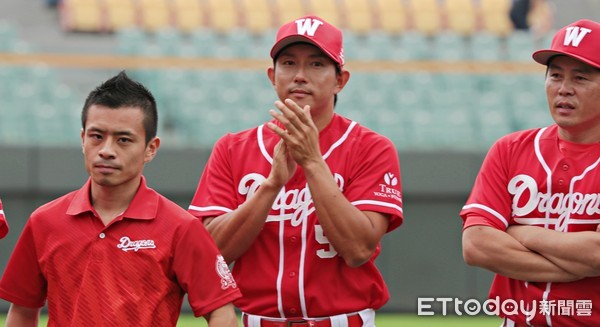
x,y
426,16
461,16
120,14
257,15
494,16
359,16
223,15
541,17
391,15
188,15
326,9
155,14
82,15
288,10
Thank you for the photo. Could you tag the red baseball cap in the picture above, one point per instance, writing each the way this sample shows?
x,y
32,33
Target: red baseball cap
x,y
314,30
580,40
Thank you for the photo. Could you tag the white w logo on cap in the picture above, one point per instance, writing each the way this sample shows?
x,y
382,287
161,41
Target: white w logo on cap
x,y
574,35
307,26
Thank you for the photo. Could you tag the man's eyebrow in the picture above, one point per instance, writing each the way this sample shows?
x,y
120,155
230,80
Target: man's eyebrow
x,y
100,130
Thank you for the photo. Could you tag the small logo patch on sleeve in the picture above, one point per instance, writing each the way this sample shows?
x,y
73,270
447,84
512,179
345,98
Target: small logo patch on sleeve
x,y
225,274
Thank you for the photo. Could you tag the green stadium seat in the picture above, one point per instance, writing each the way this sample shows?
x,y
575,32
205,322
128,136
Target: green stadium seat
x,y
449,46
485,47
131,41
520,45
415,46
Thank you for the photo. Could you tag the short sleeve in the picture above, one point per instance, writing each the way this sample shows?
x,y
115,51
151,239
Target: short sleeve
x,y
489,202
375,182
215,192
201,270
23,282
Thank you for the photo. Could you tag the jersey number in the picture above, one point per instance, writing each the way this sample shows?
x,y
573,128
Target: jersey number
x,y
322,239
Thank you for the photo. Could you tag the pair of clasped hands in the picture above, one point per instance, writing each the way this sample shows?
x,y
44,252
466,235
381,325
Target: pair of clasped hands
x,y
299,144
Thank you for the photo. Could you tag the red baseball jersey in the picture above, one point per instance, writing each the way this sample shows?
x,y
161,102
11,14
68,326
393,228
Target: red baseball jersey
x,y
132,272
534,178
291,270
3,223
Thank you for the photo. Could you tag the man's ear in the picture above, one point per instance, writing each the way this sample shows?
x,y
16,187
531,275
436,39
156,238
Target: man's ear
x,y
342,79
271,74
151,149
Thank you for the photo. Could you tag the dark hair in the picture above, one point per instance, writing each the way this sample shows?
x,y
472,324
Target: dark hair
x,y
121,91
338,68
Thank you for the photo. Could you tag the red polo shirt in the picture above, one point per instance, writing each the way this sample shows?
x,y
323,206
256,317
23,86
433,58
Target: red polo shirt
x,y
132,272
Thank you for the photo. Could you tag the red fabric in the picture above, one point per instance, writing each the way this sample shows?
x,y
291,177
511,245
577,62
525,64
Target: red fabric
x,y
3,223
132,272
366,167
513,187
353,321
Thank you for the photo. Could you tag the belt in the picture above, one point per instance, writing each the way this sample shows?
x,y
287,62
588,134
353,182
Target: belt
x,y
354,320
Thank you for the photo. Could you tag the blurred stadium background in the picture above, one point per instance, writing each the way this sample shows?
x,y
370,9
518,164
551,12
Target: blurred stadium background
x,y
441,78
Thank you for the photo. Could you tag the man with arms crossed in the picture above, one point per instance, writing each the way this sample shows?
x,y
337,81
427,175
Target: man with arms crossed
x,y
115,252
533,214
301,203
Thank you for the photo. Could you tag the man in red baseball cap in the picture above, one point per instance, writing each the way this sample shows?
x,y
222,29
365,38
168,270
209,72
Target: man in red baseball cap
x,y
304,210
533,216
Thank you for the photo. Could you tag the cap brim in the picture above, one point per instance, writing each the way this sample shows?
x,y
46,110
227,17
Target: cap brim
x,y
543,56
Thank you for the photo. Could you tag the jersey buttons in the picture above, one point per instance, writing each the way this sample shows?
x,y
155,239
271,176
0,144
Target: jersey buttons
x,y
102,236
565,167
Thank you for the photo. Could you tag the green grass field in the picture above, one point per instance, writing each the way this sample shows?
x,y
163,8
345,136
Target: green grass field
x,y
382,320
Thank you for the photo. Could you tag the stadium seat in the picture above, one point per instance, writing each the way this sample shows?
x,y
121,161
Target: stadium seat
x,y
131,41
223,15
8,35
81,15
391,16
166,42
155,14
449,46
378,45
495,16
461,16
520,45
288,10
414,45
529,108
541,17
257,16
326,9
260,44
492,119
435,129
120,14
188,15
484,46
359,16
237,43
204,42
426,16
